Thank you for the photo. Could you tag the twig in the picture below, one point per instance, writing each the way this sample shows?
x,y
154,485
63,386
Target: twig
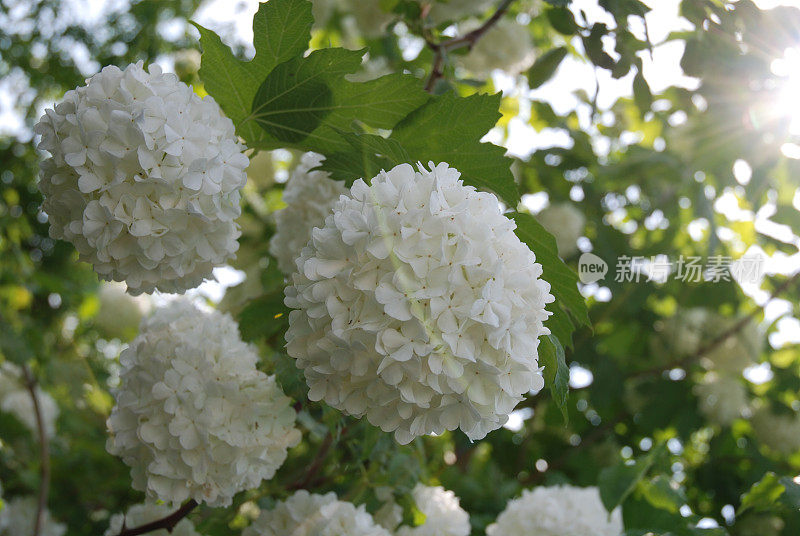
x,y
466,40
44,452
167,523
722,337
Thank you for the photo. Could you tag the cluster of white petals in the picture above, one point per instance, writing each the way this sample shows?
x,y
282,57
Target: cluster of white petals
x,y
15,398
119,312
370,16
681,334
143,178
309,196
721,398
310,514
194,418
141,514
780,432
443,513
557,511
418,306
18,517
565,222
507,45
736,352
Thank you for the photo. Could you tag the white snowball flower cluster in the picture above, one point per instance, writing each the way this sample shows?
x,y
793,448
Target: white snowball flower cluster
x,y
557,511
141,514
119,313
780,432
681,334
370,17
309,196
143,178
194,418
736,352
418,306
443,514
565,222
18,517
15,398
310,514
721,398
507,46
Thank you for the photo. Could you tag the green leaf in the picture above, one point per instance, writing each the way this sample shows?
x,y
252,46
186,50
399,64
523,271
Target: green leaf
x,y
617,482
556,372
562,20
281,29
368,155
660,493
642,95
791,497
448,129
593,45
546,66
762,495
307,102
559,3
563,281
264,316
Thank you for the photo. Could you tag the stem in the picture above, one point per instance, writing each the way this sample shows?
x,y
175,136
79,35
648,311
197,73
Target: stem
x,y
44,452
167,523
466,40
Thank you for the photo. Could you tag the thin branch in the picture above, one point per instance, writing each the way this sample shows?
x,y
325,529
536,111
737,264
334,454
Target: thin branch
x,y
714,343
467,40
44,452
167,523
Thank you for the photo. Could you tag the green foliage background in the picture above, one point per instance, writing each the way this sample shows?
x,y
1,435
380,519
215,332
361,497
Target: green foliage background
x,y
635,430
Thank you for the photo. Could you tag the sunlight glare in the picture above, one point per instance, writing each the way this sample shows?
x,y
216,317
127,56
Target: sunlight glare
x,y
788,103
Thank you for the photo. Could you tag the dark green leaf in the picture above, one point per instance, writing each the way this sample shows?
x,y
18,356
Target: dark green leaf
x,y
617,482
556,372
762,495
546,66
641,92
593,44
562,20
369,154
660,493
264,316
791,497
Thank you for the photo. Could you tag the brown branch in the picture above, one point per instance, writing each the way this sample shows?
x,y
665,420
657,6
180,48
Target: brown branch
x,y
44,452
722,337
467,40
167,523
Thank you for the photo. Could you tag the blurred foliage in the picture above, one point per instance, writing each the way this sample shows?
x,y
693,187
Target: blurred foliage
x,y
644,172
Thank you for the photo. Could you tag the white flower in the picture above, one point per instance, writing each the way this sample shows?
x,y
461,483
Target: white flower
x,y
507,46
557,511
307,514
565,223
15,398
18,516
418,307
722,398
143,178
193,416
780,432
682,333
443,514
141,514
309,196
119,313
737,351
370,17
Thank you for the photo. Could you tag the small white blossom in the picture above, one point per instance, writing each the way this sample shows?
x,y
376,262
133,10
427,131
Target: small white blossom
x,y
418,306
18,517
141,514
194,418
309,196
565,222
308,514
143,178
722,398
15,398
557,511
443,514
507,46
779,432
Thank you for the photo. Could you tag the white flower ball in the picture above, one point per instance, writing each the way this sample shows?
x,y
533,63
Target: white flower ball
x,y
18,518
310,197
779,432
507,46
565,222
15,398
682,333
370,18
194,418
557,511
141,514
721,398
418,307
738,351
310,514
443,514
143,178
